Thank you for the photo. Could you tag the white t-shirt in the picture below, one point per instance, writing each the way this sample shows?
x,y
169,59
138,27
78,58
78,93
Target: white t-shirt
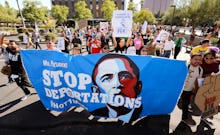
x,y
131,50
168,45
193,74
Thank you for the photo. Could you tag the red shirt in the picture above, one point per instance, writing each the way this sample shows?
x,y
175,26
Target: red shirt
x,y
95,46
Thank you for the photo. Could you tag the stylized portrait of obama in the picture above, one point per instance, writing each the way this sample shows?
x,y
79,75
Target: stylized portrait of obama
x,y
118,77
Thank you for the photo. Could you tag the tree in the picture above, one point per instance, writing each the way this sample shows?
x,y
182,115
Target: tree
x,y
131,6
60,13
8,14
108,7
81,11
144,15
34,12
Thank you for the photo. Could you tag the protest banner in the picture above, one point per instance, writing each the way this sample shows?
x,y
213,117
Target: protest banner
x,y
104,27
208,96
107,85
122,23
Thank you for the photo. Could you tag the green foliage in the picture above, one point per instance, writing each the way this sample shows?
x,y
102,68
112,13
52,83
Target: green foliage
x,y
144,15
108,7
196,12
33,13
8,14
131,6
60,13
81,11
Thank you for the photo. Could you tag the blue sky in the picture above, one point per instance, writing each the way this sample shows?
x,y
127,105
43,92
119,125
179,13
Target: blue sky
x,y
13,3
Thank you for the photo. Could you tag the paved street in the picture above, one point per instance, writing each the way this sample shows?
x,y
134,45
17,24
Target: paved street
x,y
11,92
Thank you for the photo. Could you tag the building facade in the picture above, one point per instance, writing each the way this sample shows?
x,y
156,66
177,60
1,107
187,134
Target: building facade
x,y
157,6
93,5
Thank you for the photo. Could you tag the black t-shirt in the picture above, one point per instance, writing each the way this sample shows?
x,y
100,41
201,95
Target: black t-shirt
x,y
15,62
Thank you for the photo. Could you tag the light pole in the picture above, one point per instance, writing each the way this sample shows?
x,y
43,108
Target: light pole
x,y
174,9
22,18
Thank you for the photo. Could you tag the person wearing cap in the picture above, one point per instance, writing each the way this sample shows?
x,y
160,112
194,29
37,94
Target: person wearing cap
x,y
201,48
195,72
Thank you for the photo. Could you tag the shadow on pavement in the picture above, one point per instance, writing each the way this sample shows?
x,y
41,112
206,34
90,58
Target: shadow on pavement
x,y
34,119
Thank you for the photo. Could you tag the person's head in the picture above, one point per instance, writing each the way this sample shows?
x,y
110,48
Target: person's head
x,y
143,50
13,46
196,59
209,56
170,37
116,74
105,47
205,43
121,42
50,42
63,33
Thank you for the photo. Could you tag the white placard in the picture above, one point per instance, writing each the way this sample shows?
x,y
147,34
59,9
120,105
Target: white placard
x,y
104,27
163,35
122,23
144,27
61,43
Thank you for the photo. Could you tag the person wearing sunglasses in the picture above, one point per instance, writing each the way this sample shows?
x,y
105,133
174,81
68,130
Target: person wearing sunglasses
x,y
210,64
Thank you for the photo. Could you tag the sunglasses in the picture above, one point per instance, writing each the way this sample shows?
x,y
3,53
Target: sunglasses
x,y
105,48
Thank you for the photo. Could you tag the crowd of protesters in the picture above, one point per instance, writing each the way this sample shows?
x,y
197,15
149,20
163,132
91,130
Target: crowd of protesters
x,y
204,59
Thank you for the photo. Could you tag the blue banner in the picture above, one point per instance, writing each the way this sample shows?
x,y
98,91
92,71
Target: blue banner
x,y
107,85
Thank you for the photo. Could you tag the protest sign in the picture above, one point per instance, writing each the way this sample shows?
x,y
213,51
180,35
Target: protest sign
x,y
122,23
107,85
144,27
163,35
208,96
61,43
104,27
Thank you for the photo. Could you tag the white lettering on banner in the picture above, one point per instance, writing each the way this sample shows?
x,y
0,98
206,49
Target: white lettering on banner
x,y
83,97
55,64
69,79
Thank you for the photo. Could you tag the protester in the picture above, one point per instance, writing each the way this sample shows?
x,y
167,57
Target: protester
x,y
50,44
119,45
36,38
178,44
130,47
151,46
144,50
201,48
138,43
29,39
17,70
105,47
76,50
168,47
210,65
95,45
194,72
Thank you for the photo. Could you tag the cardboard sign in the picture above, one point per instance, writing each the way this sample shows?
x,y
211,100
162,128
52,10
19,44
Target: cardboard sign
x,y
122,23
208,96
